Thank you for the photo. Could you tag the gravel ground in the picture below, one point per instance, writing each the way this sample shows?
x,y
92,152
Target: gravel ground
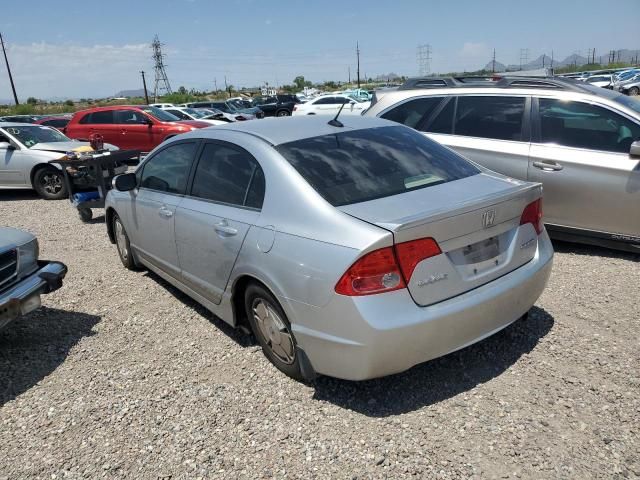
x,y
119,375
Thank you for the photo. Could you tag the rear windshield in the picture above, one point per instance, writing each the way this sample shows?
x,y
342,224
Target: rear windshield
x,y
361,165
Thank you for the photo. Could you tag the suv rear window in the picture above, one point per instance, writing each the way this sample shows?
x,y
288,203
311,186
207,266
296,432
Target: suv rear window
x,y
362,165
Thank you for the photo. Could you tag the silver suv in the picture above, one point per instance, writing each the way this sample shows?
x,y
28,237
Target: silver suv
x,y
581,142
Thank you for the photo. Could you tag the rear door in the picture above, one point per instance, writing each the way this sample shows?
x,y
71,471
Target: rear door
x,y
492,130
212,221
581,156
162,185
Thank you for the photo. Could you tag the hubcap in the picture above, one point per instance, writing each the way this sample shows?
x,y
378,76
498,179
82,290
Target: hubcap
x,y
52,183
121,240
274,331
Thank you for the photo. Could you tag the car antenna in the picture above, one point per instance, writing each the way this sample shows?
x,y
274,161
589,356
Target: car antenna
x,y
335,122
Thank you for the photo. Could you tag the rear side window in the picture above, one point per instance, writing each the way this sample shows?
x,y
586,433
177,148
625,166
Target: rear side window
x,y
99,117
168,170
225,174
414,113
582,125
361,165
325,101
490,117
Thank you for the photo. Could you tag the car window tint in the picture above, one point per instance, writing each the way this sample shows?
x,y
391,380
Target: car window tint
x,y
101,117
224,174
129,117
490,117
325,101
581,125
356,166
56,123
168,170
255,195
443,122
414,112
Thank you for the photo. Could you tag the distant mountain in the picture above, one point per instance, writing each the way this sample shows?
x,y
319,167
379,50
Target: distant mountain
x,y
130,93
574,59
499,67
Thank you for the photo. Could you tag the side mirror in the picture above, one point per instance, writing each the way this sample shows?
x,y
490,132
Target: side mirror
x,y
125,182
634,151
6,146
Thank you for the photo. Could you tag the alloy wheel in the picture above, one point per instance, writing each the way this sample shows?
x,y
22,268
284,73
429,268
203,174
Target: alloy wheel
x,y
52,183
121,240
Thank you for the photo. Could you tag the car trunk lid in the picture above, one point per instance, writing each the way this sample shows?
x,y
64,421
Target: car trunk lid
x,y
476,223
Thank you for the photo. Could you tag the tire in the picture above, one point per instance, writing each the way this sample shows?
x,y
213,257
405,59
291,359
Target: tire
x,y
633,91
283,113
122,244
49,183
86,214
272,330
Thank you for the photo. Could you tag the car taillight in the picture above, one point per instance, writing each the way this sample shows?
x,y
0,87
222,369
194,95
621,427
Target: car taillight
x,y
387,269
533,214
240,118
376,272
295,107
411,253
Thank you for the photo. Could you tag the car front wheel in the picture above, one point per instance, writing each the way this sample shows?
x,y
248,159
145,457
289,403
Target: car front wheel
x,y
633,91
49,183
122,243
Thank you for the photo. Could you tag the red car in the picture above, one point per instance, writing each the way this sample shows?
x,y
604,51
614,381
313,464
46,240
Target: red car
x,y
55,122
135,127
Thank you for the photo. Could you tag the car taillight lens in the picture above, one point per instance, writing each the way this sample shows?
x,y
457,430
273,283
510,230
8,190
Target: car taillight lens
x,y
533,214
240,118
410,254
295,107
376,272
387,269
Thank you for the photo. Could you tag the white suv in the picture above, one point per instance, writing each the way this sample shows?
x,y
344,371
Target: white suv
x,y
581,142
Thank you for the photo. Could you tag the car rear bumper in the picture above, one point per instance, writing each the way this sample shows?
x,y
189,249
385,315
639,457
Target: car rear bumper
x,y
24,296
358,338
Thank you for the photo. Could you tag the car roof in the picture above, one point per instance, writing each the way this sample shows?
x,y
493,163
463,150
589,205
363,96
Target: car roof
x,y
20,124
281,130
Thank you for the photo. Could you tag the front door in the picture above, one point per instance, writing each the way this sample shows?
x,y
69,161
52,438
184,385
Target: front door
x,y
135,131
12,165
581,156
213,220
162,183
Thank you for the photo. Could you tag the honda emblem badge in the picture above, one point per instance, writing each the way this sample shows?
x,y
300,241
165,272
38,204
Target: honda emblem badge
x,y
488,218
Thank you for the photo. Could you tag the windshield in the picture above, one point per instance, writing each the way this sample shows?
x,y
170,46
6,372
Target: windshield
x,y
193,112
629,102
237,104
34,134
160,114
362,165
598,79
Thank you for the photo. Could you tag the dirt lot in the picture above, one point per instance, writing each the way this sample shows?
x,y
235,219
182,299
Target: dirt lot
x,y
120,375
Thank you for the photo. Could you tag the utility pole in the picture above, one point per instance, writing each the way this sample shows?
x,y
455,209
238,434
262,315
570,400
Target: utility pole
x,y
349,68
13,87
215,83
226,87
161,82
493,62
144,85
424,59
358,58
551,58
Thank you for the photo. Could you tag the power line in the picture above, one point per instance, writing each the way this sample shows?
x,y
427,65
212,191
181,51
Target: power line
x,y
13,87
424,59
161,82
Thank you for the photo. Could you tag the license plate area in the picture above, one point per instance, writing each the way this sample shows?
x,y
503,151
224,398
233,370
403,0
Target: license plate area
x,y
482,251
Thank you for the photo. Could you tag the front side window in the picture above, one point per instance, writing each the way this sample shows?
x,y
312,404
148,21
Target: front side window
x,y
225,174
361,165
159,114
414,113
490,117
179,114
325,101
582,125
129,117
168,170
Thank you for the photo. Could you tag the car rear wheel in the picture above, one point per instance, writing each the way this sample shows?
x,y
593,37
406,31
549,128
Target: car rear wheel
x,y
634,91
283,113
122,244
49,183
272,330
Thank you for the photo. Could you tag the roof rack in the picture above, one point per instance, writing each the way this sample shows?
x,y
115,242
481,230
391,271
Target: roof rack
x,y
495,81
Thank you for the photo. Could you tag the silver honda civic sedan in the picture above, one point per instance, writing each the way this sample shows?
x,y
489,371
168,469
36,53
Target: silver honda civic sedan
x,y
354,249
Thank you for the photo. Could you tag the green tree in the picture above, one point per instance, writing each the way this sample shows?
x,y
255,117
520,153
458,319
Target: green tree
x,y
182,91
32,100
69,103
299,82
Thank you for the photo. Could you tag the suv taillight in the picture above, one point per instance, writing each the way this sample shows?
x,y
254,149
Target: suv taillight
x,y
295,107
386,269
533,214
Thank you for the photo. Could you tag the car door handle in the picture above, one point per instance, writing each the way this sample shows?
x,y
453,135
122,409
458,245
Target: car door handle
x,y
224,228
548,166
165,212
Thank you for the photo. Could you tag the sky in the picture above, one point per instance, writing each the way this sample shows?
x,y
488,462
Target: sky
x,y
74,49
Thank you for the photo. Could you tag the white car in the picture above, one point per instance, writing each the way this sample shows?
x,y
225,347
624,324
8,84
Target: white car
x,y
330,104
604,81
192,114
162,105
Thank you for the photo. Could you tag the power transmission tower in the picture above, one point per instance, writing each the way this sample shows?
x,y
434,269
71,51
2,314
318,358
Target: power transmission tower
x,y
144,85
424,59
13,87
162,82
524,57
358,58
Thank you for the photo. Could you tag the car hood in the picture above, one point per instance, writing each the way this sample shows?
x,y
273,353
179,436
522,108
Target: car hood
x,y
13,237
66,146
194,123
